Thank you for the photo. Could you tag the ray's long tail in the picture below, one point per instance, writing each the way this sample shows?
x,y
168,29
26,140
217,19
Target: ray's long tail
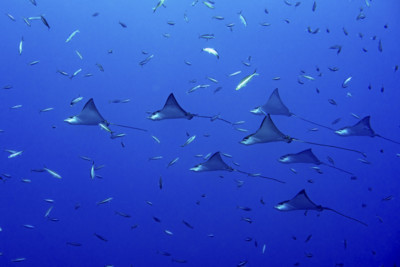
x,y
331,146
348,217
320,125
213,118
387,139
339,169
261,176
130,127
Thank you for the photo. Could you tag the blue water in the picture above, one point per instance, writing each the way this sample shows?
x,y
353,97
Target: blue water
x,y
207,200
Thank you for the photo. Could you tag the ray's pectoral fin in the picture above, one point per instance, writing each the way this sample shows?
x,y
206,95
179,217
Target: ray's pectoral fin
x,y
214,163
300,201
88,116
267,132
171,110
361,128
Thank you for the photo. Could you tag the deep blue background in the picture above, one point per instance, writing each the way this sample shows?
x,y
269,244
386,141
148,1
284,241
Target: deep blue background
x,y
282,49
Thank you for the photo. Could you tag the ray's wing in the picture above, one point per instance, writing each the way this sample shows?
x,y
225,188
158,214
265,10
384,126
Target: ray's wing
x,y
300,202
305,156
275,106
89,114
267,132
172,109
361,128
214,163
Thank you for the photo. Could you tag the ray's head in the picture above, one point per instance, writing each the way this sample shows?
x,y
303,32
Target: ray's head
x,y
155,116
257,111
249,140
284,159
72,120
343,132
283,206
197,168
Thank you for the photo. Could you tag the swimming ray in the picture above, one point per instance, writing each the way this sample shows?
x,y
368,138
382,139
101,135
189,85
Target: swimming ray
x,y
216,163
275,106
172,110
302,202
90,115
362,128
268,132
307,156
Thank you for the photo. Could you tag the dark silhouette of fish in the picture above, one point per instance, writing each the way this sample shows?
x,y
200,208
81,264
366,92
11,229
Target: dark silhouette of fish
x,y
45,22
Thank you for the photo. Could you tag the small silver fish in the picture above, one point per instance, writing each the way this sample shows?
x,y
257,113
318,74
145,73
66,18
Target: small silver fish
x,y
48,212
10,16
79,54
172,162
18,260
189,140
14,154
63,73
92,171
241,129
53,173
156,139
212,79
76,100
104,201
75,73
235,73
156,158
72,35
46,109
85,158
16,107
346,82
168,232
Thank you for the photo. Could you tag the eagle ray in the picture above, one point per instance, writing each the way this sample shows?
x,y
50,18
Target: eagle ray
x,y
172,110
275,106
90,115
268,132
307,156
362,128
216,163
302,202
